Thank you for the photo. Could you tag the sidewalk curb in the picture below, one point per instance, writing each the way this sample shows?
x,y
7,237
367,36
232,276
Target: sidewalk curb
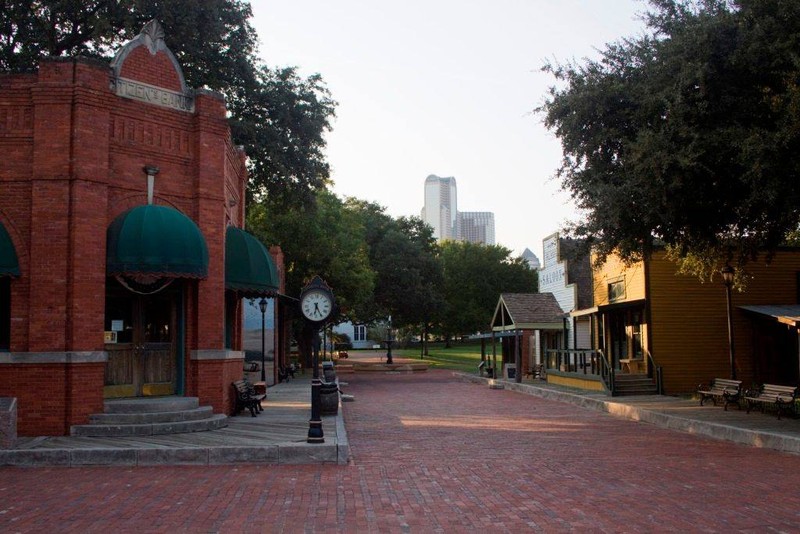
x,y
753,438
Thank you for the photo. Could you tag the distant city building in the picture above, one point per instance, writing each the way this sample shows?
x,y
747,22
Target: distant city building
x,y
441,213
441,207
476,227
530,257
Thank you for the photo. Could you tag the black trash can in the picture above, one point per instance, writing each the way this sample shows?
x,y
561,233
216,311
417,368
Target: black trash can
x,y
329,398
328,372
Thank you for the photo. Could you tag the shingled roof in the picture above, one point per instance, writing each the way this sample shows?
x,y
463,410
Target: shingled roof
x,y
527,311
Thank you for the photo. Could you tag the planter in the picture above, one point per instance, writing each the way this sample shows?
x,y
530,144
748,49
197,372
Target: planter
x,y
329,398
328,372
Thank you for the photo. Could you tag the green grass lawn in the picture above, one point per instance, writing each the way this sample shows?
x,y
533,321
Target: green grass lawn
x,y
459,357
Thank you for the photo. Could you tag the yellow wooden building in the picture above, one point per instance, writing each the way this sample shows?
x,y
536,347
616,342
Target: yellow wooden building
x,y
650,321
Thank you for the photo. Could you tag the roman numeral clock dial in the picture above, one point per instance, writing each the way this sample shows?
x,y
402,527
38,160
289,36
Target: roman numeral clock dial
x,y
316,302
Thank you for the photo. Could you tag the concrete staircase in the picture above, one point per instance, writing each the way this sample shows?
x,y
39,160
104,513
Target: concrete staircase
x,y
634,384
151,416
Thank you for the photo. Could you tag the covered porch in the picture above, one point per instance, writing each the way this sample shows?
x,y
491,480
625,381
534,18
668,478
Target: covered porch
x,y
528,324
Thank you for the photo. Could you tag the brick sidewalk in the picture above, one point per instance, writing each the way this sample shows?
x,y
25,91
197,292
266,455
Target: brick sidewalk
x,y
432,454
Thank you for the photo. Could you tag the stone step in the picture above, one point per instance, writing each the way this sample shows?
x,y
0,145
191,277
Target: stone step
x,y
635,392
216,421
203,412
151,404
626,385
644,389
634,383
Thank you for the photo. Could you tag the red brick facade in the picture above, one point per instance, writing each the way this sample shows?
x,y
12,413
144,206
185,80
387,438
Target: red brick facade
x,y
74,146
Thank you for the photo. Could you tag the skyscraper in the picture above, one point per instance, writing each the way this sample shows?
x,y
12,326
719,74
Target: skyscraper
x,y
476,227
441,207
531,258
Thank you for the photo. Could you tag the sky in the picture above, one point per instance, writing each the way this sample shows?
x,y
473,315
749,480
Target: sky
x,y
445,87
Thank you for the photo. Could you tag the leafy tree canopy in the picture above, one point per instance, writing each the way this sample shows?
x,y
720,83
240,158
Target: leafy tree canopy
x,y
277,115
323,238
688,135
474,277
404,256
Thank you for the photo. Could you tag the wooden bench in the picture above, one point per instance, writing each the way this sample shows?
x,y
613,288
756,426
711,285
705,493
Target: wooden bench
x,y
246,397
782,397
721,388
537,371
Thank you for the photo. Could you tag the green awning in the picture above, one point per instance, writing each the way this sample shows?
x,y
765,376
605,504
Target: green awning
x,y
9,265
155,240
249,269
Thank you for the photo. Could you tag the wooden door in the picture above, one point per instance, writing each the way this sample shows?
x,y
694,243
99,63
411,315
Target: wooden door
x,y
142,360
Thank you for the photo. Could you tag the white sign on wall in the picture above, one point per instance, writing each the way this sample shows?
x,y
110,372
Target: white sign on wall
x,y
552,275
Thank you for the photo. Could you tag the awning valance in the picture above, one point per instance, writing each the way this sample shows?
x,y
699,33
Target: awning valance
x,y
9,264
155,240
249,269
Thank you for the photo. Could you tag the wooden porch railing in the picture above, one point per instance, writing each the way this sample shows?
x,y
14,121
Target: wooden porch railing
x,y
582,361
655,372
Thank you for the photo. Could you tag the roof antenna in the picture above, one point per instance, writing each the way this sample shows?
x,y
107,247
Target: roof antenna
x,y
151,171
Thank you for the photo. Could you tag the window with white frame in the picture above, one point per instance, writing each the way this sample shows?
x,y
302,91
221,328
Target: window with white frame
x,y
359,332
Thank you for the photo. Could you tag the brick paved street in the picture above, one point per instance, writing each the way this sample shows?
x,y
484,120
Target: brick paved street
x,y
432,454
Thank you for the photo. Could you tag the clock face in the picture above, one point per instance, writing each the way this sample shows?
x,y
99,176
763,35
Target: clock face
x,y
316,305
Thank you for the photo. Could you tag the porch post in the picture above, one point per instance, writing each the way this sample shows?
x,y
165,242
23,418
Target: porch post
x,y
494,356
518,357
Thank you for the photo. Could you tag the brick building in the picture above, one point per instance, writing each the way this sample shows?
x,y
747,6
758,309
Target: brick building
x,y
121,199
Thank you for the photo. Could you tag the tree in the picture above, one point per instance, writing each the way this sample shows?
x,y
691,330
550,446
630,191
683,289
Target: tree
x,y
689,135
281,122
403,254
278,116
323,238
474,277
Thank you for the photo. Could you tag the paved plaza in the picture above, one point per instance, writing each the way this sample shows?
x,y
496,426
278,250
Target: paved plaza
x,y
430,452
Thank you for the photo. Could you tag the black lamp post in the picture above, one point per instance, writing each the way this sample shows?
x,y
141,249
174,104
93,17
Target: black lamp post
x,y
315,432
262,305
389,342
727,279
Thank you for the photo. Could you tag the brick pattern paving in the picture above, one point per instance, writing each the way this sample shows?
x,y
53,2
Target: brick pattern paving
x,y
431,454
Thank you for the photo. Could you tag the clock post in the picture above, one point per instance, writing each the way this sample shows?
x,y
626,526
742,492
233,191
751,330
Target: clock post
x,y
316,305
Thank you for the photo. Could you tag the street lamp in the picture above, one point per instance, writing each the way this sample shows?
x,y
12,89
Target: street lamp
x,y
389,342
727,279
262,305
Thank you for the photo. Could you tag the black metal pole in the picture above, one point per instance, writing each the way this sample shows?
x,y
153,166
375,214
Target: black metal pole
x,y
389,343
315,434
263,344
730,332
518,357
277,341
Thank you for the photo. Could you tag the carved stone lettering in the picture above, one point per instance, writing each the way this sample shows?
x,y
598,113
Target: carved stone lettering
x,y
153,95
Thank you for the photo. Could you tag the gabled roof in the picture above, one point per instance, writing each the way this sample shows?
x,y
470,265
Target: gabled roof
x,y
527,311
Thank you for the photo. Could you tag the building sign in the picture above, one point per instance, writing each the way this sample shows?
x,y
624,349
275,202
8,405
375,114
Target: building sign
x,y
151,94
552,275
550,250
